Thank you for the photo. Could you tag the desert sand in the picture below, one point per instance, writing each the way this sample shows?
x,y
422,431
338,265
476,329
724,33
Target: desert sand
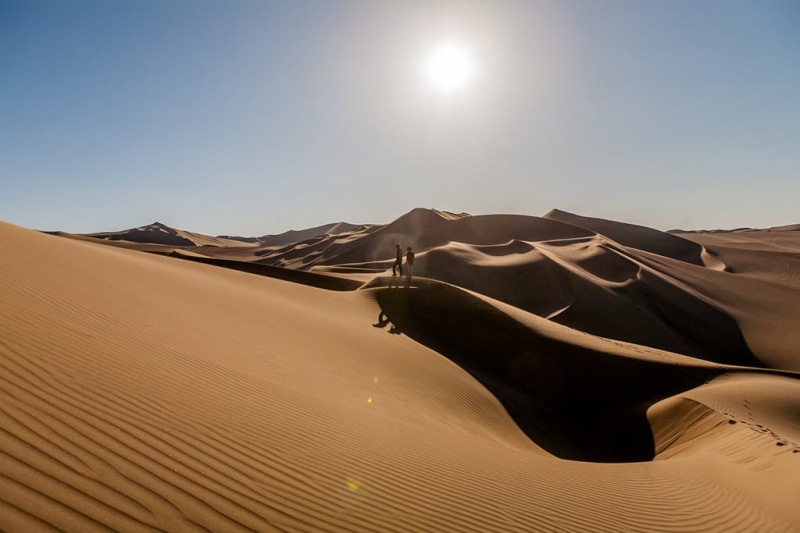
x,y
555,373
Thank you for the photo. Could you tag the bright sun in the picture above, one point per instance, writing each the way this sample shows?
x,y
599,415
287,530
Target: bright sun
x,y
449,67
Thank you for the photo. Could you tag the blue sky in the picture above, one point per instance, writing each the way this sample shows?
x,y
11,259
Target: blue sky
x,y
253,117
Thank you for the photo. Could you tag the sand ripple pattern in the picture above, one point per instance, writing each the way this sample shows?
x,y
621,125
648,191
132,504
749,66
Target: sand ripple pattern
x,y
144,393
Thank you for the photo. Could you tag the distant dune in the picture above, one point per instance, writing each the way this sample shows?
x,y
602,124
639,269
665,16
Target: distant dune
x,y
556,373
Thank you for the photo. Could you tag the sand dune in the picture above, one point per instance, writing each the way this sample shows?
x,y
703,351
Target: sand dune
x,y
537,374
634,236
158,233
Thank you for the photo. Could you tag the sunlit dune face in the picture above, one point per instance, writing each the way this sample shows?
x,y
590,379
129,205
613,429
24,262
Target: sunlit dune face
x,y
449,67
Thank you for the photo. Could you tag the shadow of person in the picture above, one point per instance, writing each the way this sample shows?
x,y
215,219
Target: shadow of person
x,y
382,320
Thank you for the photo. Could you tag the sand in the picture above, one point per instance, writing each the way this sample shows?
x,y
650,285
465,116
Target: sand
x,y
543,374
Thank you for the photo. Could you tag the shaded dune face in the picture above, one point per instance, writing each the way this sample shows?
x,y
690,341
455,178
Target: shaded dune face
x,y
544,382
598,287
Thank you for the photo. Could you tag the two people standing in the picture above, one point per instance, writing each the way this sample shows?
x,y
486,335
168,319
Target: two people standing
x,y
410,262
398,262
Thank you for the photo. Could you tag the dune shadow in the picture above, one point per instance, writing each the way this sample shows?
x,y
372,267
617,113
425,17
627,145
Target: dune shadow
x,y
302,277
574,402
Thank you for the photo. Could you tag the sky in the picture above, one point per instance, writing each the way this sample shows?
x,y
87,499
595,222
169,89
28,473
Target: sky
x,y
253,117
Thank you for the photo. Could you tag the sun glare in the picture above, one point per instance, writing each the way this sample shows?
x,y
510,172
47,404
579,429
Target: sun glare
x,y
449,67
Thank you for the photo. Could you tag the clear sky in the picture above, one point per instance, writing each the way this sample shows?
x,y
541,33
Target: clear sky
x,y
250,117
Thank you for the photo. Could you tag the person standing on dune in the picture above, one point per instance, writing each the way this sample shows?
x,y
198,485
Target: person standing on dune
x,y
409,262
398,262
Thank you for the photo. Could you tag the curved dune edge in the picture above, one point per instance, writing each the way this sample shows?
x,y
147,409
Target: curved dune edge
x,y
546,374
745,425
141,393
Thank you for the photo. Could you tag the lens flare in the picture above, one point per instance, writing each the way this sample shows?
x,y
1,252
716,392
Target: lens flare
x,y
353,492
353,484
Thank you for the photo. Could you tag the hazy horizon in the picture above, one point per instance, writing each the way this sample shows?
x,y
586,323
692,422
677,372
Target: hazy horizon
x,y
251,118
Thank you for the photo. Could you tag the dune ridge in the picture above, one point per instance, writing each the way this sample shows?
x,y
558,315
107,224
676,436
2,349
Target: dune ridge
x,y
535,375
562,268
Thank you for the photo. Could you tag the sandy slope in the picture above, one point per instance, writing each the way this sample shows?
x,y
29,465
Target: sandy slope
x,y
141,392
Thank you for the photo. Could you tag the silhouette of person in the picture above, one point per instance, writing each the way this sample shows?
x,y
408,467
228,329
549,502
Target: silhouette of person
x,y
409,262
398,262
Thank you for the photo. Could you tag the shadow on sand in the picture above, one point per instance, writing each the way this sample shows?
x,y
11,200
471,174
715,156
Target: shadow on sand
x,y
574,402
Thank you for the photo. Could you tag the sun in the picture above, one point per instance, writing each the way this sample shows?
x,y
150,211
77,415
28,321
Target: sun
x,y
449,67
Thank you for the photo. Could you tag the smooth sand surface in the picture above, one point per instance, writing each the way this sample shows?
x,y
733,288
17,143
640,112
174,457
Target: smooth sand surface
x,y
537,374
